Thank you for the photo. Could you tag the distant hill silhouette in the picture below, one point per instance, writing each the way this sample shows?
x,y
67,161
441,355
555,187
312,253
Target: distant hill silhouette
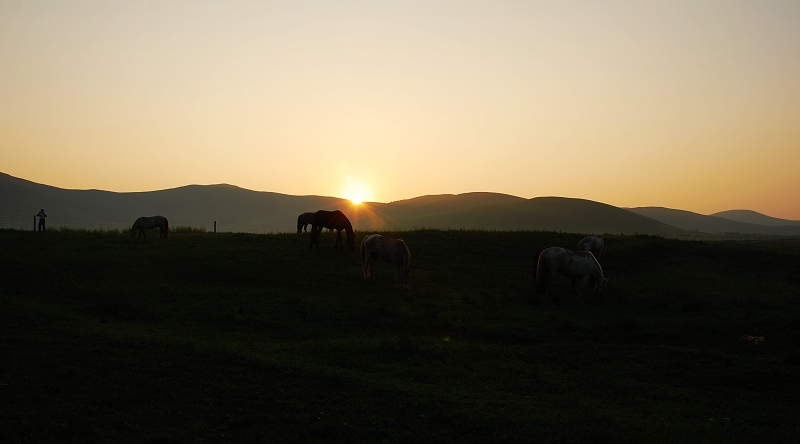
x,y
753,217
237,209
503,212
688,220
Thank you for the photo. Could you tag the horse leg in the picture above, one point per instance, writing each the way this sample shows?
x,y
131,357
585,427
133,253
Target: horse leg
x,y
365,266
368,272
400,283
314,236
550,278
583,287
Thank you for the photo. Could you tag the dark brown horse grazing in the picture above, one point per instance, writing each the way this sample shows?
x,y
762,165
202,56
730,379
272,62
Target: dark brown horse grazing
x,y
334,220
304,220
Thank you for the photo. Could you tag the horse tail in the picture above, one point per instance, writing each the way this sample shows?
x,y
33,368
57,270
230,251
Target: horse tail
x,y
541,273
166,227
406,255
300,222
363,251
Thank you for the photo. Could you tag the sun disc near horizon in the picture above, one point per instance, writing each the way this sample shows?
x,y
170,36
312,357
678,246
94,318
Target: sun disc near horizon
x,y
356,193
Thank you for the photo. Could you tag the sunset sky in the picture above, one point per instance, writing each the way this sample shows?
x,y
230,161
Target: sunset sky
x,y
692,105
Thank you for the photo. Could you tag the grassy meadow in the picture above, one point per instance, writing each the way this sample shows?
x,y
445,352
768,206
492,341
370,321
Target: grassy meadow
x,y
256,338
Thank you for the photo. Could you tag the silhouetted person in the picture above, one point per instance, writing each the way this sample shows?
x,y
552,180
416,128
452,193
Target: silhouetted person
x,y
42,216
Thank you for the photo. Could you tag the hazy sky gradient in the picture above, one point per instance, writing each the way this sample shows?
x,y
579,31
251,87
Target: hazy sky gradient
x,y
684,104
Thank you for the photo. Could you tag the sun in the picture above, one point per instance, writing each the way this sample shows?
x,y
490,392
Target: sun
x,y
356,192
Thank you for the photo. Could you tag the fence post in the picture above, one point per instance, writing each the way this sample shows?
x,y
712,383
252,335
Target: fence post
x,y
215,226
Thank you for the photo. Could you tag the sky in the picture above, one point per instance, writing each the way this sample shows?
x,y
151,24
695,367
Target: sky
x,y
691,105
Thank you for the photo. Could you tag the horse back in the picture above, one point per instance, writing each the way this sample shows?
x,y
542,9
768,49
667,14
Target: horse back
x,y
394,251
331,219
594,244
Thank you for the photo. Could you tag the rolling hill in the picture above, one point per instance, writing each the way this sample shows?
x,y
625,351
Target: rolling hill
x,y
720,224
236,209
752,217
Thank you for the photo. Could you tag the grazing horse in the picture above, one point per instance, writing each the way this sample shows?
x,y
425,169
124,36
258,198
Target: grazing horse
x,y
572,264
393,251
304,220
143,224
334,220
594,244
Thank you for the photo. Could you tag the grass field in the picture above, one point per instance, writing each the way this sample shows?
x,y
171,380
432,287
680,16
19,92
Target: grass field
x,y
256,338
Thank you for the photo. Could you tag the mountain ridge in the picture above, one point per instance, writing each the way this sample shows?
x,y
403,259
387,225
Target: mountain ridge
x,y
691,221
240,209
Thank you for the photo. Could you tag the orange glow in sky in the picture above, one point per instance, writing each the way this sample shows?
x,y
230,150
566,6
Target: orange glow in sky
x,y
675,103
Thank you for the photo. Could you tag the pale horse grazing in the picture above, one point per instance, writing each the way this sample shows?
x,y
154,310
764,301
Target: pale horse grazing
x,y
143,224
594,244
393,251
581,264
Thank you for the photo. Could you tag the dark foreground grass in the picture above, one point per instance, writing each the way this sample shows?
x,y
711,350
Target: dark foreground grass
x,y
247,338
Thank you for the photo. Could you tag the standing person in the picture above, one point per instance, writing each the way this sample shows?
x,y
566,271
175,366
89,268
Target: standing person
x,y
42,216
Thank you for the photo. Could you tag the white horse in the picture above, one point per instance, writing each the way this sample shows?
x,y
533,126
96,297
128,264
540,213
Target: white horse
x,y
393,251
572,264
594,244
143,224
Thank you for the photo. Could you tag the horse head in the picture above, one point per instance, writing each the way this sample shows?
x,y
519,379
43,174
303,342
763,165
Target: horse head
x,y
600,286
404,278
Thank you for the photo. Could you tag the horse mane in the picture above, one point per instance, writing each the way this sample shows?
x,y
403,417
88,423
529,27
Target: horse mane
x,y
351,235
348,227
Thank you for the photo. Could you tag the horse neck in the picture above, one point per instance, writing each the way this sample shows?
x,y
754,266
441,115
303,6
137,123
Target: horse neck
x,y
347,227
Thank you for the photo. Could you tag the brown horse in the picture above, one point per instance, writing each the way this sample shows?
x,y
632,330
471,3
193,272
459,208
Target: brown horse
x,y
143,224
334,220
304,220
393,251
